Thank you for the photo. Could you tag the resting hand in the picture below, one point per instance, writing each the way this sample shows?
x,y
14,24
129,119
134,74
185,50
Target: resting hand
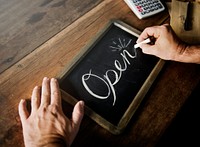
x,y
47,125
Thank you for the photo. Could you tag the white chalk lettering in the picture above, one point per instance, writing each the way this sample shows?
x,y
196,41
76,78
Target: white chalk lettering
x,y
86,77
111,76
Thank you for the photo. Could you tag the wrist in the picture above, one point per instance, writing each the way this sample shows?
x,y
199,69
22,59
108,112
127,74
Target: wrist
x,y
180,50
188,53
58,142
47,142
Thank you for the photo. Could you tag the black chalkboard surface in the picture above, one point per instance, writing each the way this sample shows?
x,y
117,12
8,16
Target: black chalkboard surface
x,y
111,76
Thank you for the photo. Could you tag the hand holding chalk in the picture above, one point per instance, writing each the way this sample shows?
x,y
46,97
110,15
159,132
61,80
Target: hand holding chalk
x,y
148,40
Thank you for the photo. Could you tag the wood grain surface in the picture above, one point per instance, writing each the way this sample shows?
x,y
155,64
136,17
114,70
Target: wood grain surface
x,y
25,25
170,91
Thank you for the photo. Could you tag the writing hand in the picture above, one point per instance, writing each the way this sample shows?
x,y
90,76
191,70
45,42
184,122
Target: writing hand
x,y
166,46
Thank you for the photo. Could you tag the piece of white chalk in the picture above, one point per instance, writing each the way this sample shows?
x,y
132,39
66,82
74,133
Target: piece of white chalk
x,y
144,41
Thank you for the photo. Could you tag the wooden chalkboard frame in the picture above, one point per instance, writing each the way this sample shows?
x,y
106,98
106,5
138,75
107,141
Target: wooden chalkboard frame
x,y
114,129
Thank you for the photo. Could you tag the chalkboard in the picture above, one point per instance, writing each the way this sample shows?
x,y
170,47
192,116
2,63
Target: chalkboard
x,y
111,76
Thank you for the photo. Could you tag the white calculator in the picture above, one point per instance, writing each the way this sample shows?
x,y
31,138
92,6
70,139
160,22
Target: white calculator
x,y
145,8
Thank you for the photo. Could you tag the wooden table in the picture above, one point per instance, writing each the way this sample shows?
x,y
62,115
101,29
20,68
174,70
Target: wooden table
x,y
48,40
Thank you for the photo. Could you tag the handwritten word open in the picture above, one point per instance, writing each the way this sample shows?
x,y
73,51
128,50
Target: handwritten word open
x,y
117,72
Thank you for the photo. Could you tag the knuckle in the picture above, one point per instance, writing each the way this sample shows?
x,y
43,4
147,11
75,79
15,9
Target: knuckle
x,y
53,108
166,28
42,111
45,95
55,93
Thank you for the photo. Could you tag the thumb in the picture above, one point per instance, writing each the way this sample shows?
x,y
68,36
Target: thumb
x,y
77,115
147,48
23,112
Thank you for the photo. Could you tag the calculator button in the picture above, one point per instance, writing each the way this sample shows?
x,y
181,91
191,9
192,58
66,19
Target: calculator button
x,y
140,10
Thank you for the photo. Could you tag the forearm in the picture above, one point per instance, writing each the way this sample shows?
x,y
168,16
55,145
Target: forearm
x,y
190,54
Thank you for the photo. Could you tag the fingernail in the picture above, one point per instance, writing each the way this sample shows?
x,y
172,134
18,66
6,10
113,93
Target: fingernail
x,y
36,87
82,104
22,100
45,78
54,79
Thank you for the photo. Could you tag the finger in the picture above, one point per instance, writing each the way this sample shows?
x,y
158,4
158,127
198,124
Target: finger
x,y
55,92
45,98
23,112
150,31
35,99
77,115
143,35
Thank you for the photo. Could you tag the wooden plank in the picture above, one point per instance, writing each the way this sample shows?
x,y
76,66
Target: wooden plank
x,y
25,25
50,59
